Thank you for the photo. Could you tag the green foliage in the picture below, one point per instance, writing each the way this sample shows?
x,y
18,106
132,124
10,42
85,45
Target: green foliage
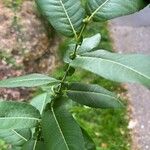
x,y
3,145
89,44
40,101
89,143
47,116
116,67
66,17
31,80
108,128
93,96
102,10
15,137
15,115
33,145
60,130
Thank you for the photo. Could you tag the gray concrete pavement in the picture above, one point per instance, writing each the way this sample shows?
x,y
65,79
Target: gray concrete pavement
x,y
131,34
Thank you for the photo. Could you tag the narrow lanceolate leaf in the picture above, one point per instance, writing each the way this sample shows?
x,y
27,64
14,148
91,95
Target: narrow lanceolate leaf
x,y
15,137
34,145
89,143
66,16
31,80
15,115
40,101
60,130
133,68
108,9
93,96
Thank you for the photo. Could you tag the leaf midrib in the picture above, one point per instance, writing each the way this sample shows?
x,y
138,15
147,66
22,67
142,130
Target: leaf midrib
x,y
145,76
96,93
23,80
26,118
66,13
92,15
59,128
19,135
34,146
44,101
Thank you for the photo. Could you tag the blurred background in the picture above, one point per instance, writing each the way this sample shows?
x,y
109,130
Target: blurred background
x,y
29,44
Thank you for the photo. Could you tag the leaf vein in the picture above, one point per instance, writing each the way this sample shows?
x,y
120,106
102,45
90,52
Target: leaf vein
x,y
42,108
29,118
19,135
123,66
98,9
34,146
66,13
93,93
60,130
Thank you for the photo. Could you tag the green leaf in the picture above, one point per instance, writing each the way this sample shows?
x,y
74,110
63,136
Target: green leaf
x,y
40,101
15,147
34,145
66,16
17,115
31,80
93,96
133,68
60,130
89,44
15,137
101,10
89,143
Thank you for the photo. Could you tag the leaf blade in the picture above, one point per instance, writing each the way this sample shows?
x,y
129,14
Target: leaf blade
x,y
102,10
33,145
15,115
31,80
93,96
89,44
15,137
116,67
65,16
89,143
67,135
40,101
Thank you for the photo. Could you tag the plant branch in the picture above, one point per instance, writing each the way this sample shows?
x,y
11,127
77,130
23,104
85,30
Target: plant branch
x,y
74,56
